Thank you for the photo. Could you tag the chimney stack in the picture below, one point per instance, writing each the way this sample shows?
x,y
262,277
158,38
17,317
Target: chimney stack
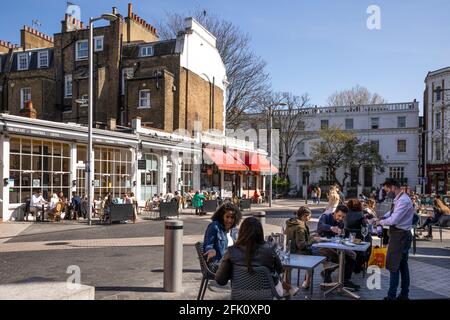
x,y
28,111
130,10
112,124
114,10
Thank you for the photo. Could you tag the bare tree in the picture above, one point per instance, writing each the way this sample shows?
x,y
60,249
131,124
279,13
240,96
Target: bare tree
x,y
355,96
246,73
288,118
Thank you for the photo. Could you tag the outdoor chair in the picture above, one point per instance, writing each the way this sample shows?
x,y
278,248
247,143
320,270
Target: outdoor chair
x,y
256,286
443,224
207,272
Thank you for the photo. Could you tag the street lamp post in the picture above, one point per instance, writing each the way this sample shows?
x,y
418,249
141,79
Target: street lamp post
x,y
90,166
270,111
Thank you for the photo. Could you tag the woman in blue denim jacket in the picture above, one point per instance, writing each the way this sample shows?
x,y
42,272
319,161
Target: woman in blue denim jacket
x,y
222,232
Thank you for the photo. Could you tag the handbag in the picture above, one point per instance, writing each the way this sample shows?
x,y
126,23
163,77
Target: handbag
x,y
378,257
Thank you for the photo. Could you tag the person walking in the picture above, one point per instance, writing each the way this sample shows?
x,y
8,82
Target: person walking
x,y
319,194
399,220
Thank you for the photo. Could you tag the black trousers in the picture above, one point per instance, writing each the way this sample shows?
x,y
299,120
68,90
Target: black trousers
x,y
333,256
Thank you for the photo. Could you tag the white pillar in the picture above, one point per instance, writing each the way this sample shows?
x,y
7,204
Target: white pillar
x,y
222,183
197,172
5,215
264,184
163,174
137,192
73,168
241,191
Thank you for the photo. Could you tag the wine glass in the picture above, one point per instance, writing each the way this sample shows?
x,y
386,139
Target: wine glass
x,y
364,232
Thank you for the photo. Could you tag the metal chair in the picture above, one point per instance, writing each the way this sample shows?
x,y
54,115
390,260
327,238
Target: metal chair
x,y
207,273
258,285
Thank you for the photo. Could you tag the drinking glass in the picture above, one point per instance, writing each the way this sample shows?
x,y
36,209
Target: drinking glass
x,y
364,232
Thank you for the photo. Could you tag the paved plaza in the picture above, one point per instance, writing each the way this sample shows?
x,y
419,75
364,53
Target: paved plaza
x,y
126,261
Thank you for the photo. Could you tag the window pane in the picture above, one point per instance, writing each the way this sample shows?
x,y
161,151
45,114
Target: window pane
x,y
81,153
37,147
46,164
56,164
37,163
66,165
66,150
15,162
26,146
47,148
14,146
26,162
57,151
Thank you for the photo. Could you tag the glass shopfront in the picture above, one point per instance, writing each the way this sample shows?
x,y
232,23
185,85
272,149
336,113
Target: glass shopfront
x,y
37,164
187,176
113,171
149,177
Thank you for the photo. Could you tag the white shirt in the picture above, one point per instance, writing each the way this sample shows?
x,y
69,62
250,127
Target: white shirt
x,y
402,214
230,239
37,201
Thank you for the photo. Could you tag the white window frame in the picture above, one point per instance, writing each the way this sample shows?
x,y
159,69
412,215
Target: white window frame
x,y
77,53
406,145
141,99
129,72
19,56
398,122
23,99
352,126
144,51
372,123
68,90
437,147
377,143
438,124
397,172
40,55
98,38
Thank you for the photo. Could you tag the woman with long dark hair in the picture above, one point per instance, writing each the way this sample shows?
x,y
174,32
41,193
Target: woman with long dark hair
x,y
251,251
222,232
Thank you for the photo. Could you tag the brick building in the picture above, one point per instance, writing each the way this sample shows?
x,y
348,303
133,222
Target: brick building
x,y
168,84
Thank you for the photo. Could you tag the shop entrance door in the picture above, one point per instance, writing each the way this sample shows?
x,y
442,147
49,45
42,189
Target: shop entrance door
x,y
169,183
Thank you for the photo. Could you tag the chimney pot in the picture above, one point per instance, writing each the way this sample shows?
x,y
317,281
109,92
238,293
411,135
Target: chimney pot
x,y
29,111
112,124
114,10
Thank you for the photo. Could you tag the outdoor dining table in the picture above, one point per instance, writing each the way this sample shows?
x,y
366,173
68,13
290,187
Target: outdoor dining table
x,y
341,248
302,262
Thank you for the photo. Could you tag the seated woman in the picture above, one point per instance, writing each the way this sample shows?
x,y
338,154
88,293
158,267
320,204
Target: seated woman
x,y
221,233
51,212
439,210
252,251
257,197
297,231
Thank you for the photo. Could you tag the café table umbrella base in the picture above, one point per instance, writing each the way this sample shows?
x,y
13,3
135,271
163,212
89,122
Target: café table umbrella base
x,y
339,286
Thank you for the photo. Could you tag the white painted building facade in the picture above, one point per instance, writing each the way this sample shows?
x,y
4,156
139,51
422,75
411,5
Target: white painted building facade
x,y
394,127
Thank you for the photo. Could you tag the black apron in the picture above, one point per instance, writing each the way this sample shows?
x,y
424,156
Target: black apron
x,y
399,243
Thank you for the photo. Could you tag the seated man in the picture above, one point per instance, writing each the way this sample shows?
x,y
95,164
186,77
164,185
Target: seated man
x,y
37,201
75,205
330,225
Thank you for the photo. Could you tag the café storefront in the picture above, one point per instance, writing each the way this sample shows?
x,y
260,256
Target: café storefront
x,y
439,179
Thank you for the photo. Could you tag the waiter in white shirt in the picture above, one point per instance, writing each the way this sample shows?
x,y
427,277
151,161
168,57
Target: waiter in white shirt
x,y
400,222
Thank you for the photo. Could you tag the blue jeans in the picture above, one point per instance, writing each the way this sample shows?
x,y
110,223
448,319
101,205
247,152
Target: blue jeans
x,y
402,272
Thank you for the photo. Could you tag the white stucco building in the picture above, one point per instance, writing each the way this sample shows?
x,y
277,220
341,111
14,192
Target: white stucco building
x,y
393,127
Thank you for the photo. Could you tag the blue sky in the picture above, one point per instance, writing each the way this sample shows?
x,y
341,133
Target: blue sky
x,y
313,46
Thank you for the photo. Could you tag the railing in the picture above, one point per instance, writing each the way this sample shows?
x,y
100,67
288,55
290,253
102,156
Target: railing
x,y
392,107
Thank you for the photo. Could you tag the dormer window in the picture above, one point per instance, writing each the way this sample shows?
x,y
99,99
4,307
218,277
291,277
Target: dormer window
x,y
43,59
23,61
147,51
